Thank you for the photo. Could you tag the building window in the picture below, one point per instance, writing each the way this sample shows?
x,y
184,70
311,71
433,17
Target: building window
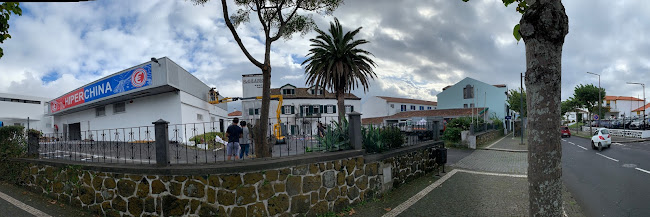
x,y
316,91
468,92
429,108
412,108
464,105
421,107
329,109
213,119
288,91
403,108
392,105
119,107
608,104
288,109
471,105
316,109
349,108
252,111
100,111
199,117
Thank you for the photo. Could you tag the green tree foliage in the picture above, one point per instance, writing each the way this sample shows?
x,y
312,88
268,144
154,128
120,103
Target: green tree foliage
x,y
587,96
6,8
12,145
336,62
279,19
514,99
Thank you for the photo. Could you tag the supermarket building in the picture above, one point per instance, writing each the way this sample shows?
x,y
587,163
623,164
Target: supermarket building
x,y
137,96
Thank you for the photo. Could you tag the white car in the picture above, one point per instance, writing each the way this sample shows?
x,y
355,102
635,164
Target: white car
x,y
601,139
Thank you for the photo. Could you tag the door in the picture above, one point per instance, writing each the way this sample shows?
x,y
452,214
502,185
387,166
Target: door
x,y
75,131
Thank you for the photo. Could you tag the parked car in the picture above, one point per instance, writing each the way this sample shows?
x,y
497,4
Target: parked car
x,y
565,132
601,139
635,125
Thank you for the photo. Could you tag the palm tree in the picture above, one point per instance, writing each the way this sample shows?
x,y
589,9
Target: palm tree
x,y
337,64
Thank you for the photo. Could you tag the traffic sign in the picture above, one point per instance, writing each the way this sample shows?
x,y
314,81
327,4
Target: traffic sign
x,y
595,117
508,117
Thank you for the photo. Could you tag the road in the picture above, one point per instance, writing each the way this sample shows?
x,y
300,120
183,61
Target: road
x,y
614,182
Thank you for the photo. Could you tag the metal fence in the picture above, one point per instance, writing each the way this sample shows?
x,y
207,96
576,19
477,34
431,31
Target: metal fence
x,y
385,136
123,145
485,127
194,143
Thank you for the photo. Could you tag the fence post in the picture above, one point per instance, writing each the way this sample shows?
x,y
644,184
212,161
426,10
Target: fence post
x,y
32,143
162,140
355,130
471,129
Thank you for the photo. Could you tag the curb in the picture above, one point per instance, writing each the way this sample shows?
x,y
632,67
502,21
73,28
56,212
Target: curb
x,y
501,149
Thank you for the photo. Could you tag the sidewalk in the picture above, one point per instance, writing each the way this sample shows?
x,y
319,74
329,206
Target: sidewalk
x,y
15,201
485,183
509,143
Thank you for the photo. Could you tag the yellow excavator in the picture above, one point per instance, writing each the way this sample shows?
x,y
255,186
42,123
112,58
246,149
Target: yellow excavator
x,y
277,130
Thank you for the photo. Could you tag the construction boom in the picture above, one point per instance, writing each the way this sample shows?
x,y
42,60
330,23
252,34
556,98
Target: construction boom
x,y
277,130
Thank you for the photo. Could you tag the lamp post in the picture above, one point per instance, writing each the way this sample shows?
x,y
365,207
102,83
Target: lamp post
x,y
642,85
599,100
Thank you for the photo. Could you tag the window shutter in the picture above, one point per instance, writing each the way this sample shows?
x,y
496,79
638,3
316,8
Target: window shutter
x,y
250,111
282,110
326,108
311,109
292,110
351,108
321,109
333,109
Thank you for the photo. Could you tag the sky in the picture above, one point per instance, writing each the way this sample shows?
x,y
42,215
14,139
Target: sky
x,y
419,46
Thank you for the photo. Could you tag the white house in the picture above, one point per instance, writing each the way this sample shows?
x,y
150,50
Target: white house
x,y
622,106
380,106
471,93
639,111
572,117
136,97
301,110
16,109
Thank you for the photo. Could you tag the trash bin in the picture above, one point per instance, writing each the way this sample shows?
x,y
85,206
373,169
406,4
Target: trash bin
x,y
441,157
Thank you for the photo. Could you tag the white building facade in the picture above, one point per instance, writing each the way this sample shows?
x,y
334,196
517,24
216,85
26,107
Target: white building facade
x,y
18,109
137,97
622,106
381,106
471,93
301,110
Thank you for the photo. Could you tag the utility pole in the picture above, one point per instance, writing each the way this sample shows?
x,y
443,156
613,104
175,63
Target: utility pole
x,y
599,101
642,85
521,106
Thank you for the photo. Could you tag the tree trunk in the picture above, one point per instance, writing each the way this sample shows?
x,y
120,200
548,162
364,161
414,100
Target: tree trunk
x,y
262,143
340,102
543,28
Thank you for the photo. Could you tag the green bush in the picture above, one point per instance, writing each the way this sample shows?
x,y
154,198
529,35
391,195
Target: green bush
x,y
452,134
336,137
12,145
209,138
497,122
393,137
372,139
463,123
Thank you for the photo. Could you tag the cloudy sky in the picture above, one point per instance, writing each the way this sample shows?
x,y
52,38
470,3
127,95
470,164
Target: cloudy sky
x,y
419,46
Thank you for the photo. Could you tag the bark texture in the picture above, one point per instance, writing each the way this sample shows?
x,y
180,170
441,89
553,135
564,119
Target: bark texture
x,y
544,26
340,103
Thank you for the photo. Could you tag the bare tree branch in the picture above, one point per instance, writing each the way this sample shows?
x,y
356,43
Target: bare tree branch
x,y
236,36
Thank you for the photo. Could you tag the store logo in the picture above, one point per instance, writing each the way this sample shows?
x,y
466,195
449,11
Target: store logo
x,y
139,77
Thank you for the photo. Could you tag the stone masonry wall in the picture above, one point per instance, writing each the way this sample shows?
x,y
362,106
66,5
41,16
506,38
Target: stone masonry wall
x,y
309,189
486,137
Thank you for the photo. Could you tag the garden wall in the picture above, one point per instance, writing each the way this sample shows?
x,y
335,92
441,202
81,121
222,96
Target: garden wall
x,y
311,185
485,137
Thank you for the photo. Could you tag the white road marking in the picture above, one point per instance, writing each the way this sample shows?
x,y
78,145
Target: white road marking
x,y
408,203
642,170
581,147
607,157
497,141
21,205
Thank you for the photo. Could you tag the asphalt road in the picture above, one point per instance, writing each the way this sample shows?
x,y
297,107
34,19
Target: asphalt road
x,y
614,182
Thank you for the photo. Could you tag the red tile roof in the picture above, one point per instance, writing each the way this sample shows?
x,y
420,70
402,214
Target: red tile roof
x,y
424,113
405,100
628,98
303,93
235,113
642,108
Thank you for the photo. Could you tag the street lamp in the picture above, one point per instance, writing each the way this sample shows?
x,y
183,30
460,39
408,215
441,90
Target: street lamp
x,y
642,85
599,98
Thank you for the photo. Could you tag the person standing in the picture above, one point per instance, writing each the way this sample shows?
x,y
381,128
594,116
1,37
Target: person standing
x,y
244,143
233,133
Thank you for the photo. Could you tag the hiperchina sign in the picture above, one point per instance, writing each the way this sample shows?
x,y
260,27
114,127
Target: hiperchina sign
x,y
123,82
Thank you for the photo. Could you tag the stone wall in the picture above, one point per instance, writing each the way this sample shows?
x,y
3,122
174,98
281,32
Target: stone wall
x,y
307,189
485,137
